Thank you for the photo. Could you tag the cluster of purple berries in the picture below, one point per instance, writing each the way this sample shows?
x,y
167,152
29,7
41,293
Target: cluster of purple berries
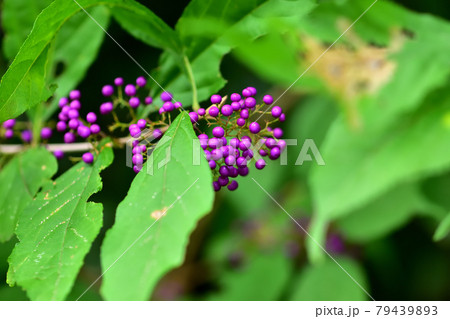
x,y
238,138
9,129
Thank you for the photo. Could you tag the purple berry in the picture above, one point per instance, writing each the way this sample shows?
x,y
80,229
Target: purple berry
x,y
235,97
216,186
230,160
243,171
224,141
63,117
246,92
250,102
106,108
268,99
157,133
212,164
148,100
236,106
143,148
178,105
9,133
63,101
223,181
130,90
69,137
245,144
166,96
135,131
141,81
58,154
233,171
216,99
76,105
214,142
260,164
118,81
75,95
241,162
274,153
46,133
134,102
201,111
107,90
227,110
207,155
65,110
282,144
137,168
73,114
223,170
248,154
234,142
142,124
88,158
252,90
91,117
83,131
216,154
168,106
213,111
277,132
282,117
137,159
193,116
254,128
95,129
233,186
276,111
73,124
61,126
9,123
271,143
27,136
218,132
263,152
244,114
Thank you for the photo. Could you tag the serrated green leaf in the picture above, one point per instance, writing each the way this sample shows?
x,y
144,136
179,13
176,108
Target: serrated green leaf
x,y
443,229
17,20
20,179
56,230
154,221
328,282
27,73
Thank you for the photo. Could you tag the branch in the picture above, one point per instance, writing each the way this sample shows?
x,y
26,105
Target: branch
x,y
67,148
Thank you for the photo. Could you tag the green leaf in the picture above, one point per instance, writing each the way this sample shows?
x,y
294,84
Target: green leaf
x,y
27,72
328,282
154,221
443,229
17,20
20,179
210,29
385,214
75,59
263,276
56,230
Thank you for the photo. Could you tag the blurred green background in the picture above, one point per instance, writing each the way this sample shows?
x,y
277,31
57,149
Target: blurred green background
x,y
377,106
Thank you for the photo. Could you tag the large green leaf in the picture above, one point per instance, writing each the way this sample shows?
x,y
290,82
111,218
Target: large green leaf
x,y
17,20
154,221
56,230
210,29
387,213
27,72
362,165
328,282
20,179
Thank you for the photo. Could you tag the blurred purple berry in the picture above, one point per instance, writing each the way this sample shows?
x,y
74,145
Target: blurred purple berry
x,y
75,95
218,132
58,154
235,97
137,159
73,114
235,106
227,110
166,96
193,116
142,123
46,133
216,186
268,99
276,111
135,131
148,100
168,106
95,129
130,90
9,133
91,117
246,92
134,102
88,158
254,128
118,81
157,133
201,111
230,160
277,132
75,104
212,164
9,123
61,126
106,108
213,111
252,90
63,101
137,168
69,137
260,164
83,131
250,102
141,81
282,117
233,186
274,153
107,90
223,181
243,171
27,136
244,114
73,124
177,105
